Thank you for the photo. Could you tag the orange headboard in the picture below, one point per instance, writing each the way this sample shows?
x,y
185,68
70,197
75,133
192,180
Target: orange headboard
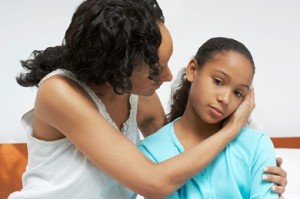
x,y
13,161
286,142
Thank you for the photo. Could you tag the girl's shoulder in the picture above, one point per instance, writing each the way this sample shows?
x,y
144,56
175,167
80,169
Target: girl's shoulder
x,y
251,139
161,145
251,133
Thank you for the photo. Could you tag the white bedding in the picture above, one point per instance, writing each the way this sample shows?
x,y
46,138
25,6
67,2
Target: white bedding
x,y
291,163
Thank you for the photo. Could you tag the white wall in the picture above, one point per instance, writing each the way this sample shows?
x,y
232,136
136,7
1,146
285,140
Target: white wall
x,y
270,29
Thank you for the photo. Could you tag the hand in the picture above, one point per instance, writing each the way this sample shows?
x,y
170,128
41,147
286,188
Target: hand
x,y
278,176
242,113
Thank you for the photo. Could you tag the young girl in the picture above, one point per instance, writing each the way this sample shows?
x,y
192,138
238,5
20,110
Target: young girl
x,y
212,87
95,92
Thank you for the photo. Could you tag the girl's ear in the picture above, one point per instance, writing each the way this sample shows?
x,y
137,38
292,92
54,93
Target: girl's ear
x,y
191,70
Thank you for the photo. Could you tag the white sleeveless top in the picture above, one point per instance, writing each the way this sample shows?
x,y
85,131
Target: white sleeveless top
x,y
58,170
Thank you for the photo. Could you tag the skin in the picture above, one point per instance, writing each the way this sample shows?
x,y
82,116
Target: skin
x,y
71,116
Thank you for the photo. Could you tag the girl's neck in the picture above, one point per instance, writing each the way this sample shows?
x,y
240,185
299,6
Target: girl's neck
x,y
190,130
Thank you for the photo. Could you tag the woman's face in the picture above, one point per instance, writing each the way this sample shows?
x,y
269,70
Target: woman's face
x,y
141,84
219,87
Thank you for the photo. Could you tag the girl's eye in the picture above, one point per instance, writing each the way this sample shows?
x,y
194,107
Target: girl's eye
x,y
238,93
218,82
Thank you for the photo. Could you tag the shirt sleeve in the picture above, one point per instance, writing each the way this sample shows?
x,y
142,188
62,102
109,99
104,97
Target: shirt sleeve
x,y
146,152
263,156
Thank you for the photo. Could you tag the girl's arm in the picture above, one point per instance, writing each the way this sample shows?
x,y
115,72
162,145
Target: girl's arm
x,y
264,155
277,175
69,110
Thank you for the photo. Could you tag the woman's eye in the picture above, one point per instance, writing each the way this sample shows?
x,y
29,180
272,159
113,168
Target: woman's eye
x,y
155,71
218,82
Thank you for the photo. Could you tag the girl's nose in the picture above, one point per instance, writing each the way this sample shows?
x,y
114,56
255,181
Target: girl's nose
x,y
224,96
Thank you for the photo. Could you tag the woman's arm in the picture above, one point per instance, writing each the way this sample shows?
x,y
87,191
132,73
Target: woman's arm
x,y
151,115
67,108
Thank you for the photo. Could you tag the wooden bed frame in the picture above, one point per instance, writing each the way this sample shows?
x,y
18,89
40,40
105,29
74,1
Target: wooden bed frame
x,y
13,160
286,142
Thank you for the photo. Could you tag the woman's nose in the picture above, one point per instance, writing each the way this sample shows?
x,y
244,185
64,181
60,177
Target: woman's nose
x,y
166,74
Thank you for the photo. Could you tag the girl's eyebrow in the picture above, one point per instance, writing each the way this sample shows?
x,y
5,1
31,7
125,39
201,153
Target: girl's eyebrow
x,y
226,75
246,86
222,72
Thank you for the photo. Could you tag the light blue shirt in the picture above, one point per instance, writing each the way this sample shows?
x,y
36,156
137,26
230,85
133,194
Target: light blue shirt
x,y
235,173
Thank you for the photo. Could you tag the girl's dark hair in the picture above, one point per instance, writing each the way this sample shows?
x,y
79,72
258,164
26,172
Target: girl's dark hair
x,y
104,42
205,53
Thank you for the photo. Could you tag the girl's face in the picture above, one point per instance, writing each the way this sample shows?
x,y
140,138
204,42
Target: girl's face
x,y
218,88
141,84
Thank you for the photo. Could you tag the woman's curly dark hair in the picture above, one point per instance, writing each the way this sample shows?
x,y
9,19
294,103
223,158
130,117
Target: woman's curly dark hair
x,y
206,53
104,42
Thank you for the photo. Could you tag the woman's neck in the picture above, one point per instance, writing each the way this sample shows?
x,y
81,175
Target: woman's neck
x,y
106,92
117,106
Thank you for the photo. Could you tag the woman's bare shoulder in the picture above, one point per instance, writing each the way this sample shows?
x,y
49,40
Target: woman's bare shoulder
x,y
60,101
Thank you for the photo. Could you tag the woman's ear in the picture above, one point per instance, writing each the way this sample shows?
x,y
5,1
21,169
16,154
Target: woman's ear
x,y
191,70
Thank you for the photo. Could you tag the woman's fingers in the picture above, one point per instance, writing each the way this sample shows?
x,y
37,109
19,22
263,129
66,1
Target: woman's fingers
x,y
278,176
